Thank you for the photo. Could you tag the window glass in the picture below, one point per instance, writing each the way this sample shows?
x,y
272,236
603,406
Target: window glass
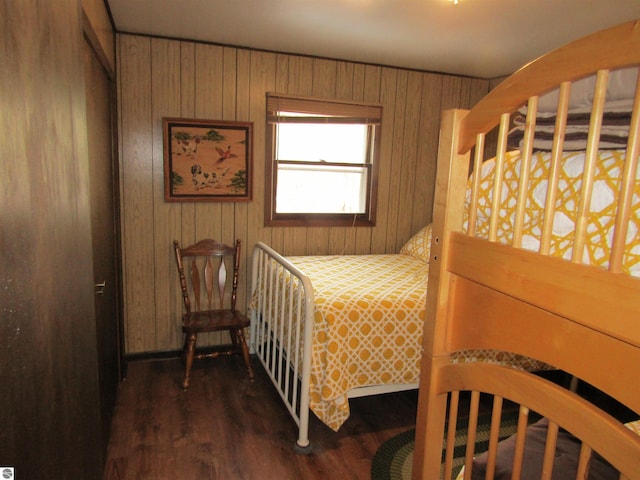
x,y
322,162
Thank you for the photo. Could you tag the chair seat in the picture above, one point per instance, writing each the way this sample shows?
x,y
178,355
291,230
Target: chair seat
x,y
212,320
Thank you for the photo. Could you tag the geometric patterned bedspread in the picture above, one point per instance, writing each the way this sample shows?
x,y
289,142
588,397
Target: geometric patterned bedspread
x,y
601,220
373,305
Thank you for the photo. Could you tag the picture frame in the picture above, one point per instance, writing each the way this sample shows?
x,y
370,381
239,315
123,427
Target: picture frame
x,y
207,160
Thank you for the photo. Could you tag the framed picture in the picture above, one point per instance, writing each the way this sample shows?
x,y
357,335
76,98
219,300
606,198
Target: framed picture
x,y
207,160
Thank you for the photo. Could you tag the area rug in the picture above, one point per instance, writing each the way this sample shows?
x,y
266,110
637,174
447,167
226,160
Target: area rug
x,y
394,459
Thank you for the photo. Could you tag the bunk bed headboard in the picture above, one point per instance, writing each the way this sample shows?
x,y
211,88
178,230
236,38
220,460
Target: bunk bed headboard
x,y
534,270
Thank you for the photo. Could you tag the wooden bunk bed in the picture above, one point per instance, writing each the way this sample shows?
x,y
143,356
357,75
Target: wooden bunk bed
x,y
557,283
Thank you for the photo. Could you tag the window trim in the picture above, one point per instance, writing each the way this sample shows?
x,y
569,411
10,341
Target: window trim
x,y
352,112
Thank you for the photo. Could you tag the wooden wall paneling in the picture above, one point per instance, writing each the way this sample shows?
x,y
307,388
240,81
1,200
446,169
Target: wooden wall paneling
x,y
343,91
209,81
280,85
325,74
300,82
358,90
337,241
188,102
264,68
478,89
410,167
231,94
136,133
209,95
369,79
209,105
323,86
396,159
387,98
166,58
240,225
195,80
356,94
187,232
265,72
451,93
230,98
209,90
464,95
429,130
187,79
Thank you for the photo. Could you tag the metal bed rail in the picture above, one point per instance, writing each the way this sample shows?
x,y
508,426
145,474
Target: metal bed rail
x,y
282,309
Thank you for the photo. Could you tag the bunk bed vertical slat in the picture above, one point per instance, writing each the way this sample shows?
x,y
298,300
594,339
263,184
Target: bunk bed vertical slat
x,y
627,191
591,156
554,172
523,184
478,158
501,153
494,436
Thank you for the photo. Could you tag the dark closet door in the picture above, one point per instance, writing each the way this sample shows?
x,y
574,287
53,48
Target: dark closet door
x,y
102,169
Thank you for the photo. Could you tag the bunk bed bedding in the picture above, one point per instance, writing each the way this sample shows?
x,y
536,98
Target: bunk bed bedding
x,y
601,220
607,181
539,258
618,106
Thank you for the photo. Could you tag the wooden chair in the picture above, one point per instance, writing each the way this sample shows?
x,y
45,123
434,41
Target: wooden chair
x,y
209,260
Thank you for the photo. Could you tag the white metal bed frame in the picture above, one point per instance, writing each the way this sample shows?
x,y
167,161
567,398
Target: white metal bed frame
x,y
289,368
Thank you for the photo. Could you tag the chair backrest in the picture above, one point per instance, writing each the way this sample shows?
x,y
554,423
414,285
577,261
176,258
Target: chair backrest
x,y
208,260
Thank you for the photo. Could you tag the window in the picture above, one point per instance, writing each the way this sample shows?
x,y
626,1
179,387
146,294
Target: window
x,y
322,159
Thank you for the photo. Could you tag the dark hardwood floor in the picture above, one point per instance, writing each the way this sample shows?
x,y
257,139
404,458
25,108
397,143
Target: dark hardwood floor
x,y
227,427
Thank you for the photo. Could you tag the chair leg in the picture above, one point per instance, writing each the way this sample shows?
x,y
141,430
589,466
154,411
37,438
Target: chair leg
x,y
234,338
189,350
245,351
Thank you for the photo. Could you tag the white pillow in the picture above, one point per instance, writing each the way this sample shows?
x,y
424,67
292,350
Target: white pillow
x,y
620,92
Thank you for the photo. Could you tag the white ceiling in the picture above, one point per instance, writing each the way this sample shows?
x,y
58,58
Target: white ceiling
x,y
482,38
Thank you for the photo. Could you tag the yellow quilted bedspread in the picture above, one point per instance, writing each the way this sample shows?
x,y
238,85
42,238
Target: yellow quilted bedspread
x,y
369,304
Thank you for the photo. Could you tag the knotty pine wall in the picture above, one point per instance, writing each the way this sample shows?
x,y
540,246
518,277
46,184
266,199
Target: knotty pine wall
x,y
164,77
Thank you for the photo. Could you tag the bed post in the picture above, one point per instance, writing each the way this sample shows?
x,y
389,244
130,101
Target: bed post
x,y
451,179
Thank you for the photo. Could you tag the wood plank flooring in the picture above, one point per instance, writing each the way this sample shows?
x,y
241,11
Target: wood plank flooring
x,y
226,427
